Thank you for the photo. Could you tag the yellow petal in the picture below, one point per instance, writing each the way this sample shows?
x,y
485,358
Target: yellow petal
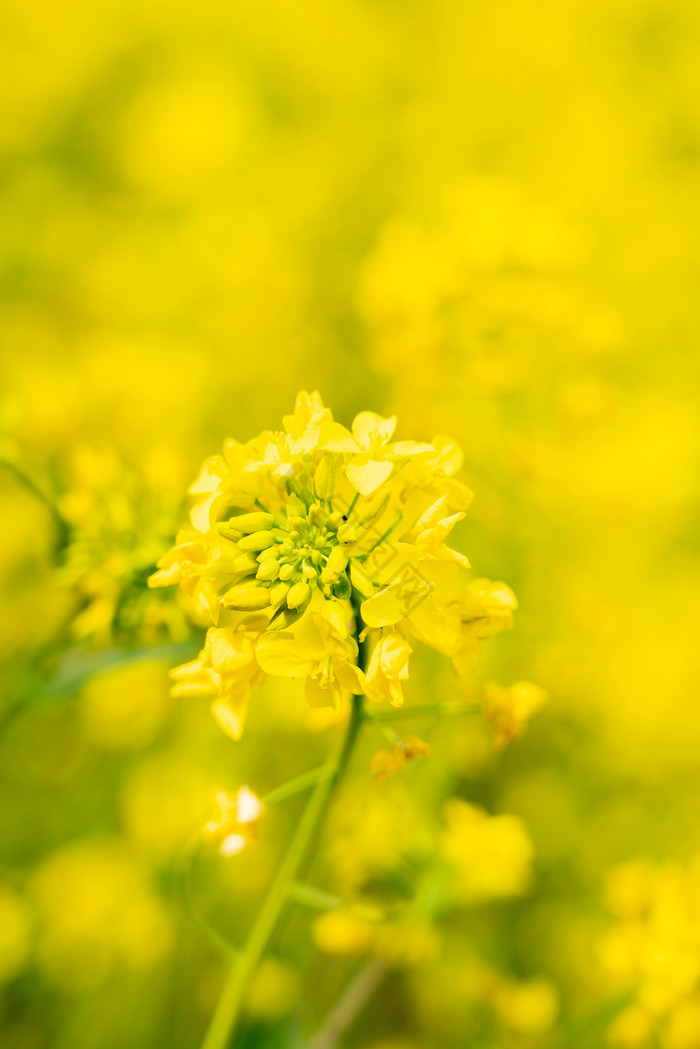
x,y
350,677
449,456
338,439
411,448
367,425
321,697
210,476
367,477
229,719
384,609
282,655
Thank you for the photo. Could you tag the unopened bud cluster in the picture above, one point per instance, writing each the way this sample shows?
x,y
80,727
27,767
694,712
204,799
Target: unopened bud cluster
x,y
282,558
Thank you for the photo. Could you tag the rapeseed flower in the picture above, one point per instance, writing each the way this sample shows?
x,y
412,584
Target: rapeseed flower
x,y
386,763
304,542
235,824
510,709
117,520
653,952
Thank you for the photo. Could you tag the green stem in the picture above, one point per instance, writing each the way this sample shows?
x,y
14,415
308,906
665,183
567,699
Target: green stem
x,y
228,1010
60,524
311,897
297,785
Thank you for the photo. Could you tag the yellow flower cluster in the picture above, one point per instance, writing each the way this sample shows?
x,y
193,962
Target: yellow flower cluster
x,y
510,709
654,951
295,534
236,822
118,520
491,856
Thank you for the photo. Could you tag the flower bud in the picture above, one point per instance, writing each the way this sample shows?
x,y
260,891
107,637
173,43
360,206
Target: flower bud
x,y
373,509
268,570
298,595
324,478
337,563
297,522
228,531
348,534
308,572
270,553
300,491
278,593
245,563
254,522
317,515
361,580
341,588
256,541
287,571
246,598
334,521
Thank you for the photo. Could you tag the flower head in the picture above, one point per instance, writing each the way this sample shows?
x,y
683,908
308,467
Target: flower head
x,y
236,822
510,709
301,539
386,763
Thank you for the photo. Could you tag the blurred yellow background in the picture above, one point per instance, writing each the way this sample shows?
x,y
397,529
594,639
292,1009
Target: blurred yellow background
x,y
481,216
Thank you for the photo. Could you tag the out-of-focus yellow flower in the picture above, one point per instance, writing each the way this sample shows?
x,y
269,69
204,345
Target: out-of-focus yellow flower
x,y
127,706
118,521
14,934
630,888
291,525
510,709
491,856
274,990
96,910
341,933
387,763
683,1028
632,1029
409,942
236,822
164,802
528,1007
653,950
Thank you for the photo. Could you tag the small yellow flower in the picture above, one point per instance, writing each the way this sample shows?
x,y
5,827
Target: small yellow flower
x,y
388,668
528,1007
118,519
236,823
373,458
342,934
510,709
386,763
225,671
653,950
14,934
320,649
490,855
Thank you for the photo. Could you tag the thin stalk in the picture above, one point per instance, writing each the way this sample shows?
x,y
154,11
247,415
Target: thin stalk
x,y
311,897
382,538
297,785
60,524
350,1005
228,1010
